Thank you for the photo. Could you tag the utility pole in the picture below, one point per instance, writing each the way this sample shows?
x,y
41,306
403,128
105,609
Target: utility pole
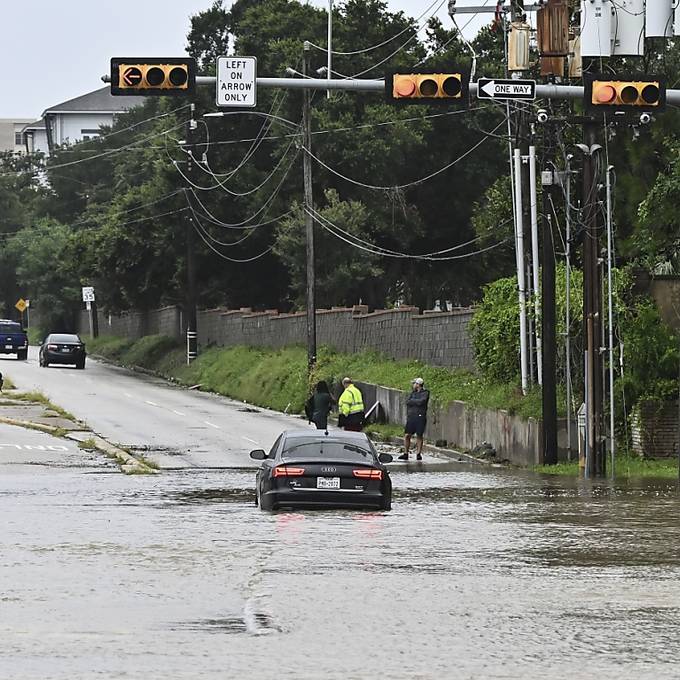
x,y
592,305
548,313
309,220
192,323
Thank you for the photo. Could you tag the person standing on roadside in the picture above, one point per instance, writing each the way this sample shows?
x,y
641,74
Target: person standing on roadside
x,y
319,405
351,407
416,417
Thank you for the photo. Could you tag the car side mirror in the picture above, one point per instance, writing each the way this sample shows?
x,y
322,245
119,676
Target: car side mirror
x,y
385,458
258,454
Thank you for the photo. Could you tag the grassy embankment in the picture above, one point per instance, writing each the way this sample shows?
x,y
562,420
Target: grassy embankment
x,y
277,379
626,465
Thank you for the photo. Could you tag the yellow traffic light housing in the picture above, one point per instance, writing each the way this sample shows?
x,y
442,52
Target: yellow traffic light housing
x,y
143,76
427,88
622,95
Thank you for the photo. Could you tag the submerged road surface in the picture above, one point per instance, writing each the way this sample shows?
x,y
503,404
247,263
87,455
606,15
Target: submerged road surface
x,y
475,573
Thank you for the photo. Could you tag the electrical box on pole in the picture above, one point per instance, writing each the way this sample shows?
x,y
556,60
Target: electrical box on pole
x,y
552,27
659,18
596,28
628,28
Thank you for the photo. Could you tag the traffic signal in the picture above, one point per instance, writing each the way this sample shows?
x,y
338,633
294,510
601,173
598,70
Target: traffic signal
x,y
142,76
637,93
427,88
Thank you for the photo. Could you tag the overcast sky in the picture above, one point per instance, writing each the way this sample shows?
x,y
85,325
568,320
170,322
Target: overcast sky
x,y
53,51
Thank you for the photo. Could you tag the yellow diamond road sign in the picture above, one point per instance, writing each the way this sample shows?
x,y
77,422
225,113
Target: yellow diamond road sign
x,y
21,305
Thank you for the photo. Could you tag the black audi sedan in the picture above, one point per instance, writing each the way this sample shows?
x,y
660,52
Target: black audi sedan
x,y
62,348
317,469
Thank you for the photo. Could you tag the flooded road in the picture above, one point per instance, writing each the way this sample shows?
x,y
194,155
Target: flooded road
x,y
476,573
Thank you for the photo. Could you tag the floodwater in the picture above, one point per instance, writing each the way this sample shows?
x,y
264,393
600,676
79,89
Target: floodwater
x,y
476,573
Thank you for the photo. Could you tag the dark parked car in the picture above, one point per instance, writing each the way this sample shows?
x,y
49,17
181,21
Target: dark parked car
x,y
323,469
13,339
62,348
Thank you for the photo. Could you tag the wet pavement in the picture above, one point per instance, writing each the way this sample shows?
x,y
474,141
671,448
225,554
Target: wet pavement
x,y
476,573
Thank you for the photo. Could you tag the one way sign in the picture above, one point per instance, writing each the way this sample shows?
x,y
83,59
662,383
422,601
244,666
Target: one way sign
x,y
505,89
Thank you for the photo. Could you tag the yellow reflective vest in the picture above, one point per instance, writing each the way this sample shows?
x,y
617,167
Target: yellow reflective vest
x,y
351,401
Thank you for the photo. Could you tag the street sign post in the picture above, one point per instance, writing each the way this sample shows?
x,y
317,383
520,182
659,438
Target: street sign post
x,y
88,294
497,88
236,82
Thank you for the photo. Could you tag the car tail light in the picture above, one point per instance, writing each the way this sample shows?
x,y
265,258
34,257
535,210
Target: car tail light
x,y
365,473
52,347
284,471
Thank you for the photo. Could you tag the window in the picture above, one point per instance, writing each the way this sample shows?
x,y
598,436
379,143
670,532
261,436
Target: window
x,y
19,138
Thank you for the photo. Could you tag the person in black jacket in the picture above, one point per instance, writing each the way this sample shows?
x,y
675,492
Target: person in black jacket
x,y
319,405
416,418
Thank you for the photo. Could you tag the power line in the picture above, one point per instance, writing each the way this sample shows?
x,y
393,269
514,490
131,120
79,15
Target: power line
x,y
408,184
378,250
384,42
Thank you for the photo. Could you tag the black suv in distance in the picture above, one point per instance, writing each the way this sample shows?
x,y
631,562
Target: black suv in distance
x,y
62,348
13,339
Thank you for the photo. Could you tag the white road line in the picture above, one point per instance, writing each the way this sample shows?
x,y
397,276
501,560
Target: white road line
x,y
179,413
127,395
152,403
248,439
217,427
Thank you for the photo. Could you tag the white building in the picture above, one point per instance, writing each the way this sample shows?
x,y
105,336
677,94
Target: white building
x,y
76,120
11,134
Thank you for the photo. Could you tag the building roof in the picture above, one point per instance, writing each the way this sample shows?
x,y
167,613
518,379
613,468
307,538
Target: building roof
x,y
99,101
35,125
16,121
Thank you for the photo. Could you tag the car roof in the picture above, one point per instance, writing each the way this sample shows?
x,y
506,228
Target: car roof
x,y
334,434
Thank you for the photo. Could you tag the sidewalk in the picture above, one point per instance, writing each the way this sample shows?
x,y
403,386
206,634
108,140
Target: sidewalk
x,y
21,411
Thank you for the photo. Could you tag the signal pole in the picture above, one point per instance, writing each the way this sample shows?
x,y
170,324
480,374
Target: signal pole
x,y
592,306
309,220
192,322
548,313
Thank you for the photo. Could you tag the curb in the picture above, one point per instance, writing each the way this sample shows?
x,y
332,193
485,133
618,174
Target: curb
x,y
128,463
451,454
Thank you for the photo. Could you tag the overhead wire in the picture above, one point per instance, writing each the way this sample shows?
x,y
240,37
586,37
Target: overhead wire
x,y
373,249
408,184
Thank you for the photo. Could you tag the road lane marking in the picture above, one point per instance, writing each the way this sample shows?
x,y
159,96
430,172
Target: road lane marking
x,y
179,413
127,395
252,441
152,403
217,427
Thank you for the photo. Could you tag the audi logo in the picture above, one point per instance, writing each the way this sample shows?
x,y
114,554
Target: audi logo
x,y
329,469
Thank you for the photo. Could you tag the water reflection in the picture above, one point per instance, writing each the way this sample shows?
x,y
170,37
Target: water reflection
x,y
475,573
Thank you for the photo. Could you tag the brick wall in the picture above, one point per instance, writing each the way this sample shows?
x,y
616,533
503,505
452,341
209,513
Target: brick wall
x,y
435,338
655,429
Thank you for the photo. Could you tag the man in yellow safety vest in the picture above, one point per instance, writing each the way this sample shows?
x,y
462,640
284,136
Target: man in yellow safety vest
x,y
351,407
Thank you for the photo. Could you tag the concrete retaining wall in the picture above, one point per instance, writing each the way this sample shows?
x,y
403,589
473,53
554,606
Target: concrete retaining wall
x,y
435,338
464,427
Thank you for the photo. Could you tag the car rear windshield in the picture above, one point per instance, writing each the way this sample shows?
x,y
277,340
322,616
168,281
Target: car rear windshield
x,y
63,337
328,448
10,327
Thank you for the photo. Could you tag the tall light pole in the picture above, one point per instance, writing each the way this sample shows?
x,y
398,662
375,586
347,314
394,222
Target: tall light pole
x,y
329,73
309,220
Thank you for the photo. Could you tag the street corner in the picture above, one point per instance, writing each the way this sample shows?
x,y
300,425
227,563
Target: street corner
x,y
24,447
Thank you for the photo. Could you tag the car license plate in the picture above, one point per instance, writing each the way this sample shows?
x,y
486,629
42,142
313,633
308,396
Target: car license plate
x,y
328,482
65,349
8,347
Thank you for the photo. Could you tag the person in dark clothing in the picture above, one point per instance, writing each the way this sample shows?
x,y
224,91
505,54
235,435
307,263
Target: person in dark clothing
x,y
416,418
319,406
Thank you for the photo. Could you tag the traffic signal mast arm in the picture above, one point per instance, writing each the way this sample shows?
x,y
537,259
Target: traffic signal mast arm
x,y
548,91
